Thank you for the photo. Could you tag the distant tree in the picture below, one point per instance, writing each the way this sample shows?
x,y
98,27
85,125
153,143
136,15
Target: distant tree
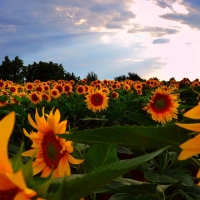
x,y
12,70
120,78
44,71
70,76
134,77
91,76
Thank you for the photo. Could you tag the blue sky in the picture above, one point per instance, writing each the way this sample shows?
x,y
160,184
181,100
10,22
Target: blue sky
x,y
152,38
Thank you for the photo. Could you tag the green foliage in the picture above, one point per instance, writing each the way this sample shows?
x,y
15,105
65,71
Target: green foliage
x,y
91,76
44,71
12,70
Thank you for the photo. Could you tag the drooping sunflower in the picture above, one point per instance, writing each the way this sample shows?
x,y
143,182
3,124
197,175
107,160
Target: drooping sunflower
x,y
53,151
97,100
162,106
12,185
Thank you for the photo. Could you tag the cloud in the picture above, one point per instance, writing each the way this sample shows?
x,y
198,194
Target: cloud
x,y
154,31
161,41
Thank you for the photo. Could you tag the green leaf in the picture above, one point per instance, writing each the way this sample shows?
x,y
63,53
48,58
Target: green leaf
x,y
3,98
169,177
16,159
196,89
149,137
125,185
100,155
42,185
88,183
19,110
141,119
123,196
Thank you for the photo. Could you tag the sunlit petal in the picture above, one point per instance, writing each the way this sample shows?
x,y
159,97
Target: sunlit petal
x,y
6,128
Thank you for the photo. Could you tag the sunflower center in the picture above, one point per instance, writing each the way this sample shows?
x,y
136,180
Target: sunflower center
x,y
8,194
51,150
161,103
97,99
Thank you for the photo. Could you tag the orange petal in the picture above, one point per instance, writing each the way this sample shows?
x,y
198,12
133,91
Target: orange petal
x,y
73,160
33,124
38,167
18,179
46,171
187,153
192,144
63,167
192,127
28,153
5,183
6,128
193,113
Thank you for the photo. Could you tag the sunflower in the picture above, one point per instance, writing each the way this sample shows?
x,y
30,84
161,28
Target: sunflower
x,y
162,106
115,95
97,100
2,84
53,151
29,86
35,97
54,93
80,89
12,185
67,88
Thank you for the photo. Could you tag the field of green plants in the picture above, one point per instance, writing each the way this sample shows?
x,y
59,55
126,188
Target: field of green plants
x,y
99,140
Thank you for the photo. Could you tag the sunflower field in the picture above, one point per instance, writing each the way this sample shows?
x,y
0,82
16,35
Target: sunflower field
x,y
100,140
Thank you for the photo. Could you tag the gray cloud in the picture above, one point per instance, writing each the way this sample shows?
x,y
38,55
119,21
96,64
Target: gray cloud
x,y
154,31
191,19
161,41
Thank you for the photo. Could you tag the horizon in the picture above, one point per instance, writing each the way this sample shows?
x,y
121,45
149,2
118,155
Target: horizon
x,y
151,38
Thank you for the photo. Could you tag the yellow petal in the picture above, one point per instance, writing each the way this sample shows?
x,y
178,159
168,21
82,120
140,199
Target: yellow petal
x,y
192,127
6,128
192,144
33,124
193,113
38,167
73,160
5,183
46,171
185,153
21,196
63,167
18,179
28,153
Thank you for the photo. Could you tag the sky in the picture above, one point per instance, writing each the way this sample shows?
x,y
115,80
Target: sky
x,y
152,38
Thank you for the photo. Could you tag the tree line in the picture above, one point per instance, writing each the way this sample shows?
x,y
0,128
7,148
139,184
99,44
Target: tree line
x,y
15,70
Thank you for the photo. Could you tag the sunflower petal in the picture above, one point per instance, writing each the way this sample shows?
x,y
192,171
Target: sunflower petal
x,y
192,127
46,171
73,160
4,179
38,167
6,127
192,144
186,153
63,167
193,113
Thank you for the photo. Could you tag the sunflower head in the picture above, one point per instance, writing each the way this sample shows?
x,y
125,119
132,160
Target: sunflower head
x,y
162,106
97,100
